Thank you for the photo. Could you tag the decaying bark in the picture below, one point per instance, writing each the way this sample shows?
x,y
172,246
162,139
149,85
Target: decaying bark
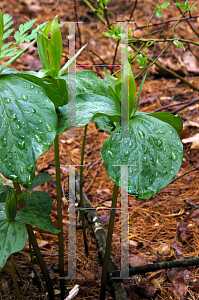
x,y
117,286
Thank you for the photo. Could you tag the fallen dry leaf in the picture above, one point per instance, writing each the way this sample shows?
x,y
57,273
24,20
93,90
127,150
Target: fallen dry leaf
x,y
194,140
191,62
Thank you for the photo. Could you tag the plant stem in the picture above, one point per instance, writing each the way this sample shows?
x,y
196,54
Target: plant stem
x,y
95,11
81,192
163,41
59,215
154,61
191,261
14,278
147,27
36,248
172,73
108,244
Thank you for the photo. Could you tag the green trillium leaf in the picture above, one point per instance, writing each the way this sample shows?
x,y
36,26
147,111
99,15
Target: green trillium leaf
x,y
174,120
41,178
35,218
151,149
87,106
13,237
4,191
28,123
86,82
39,201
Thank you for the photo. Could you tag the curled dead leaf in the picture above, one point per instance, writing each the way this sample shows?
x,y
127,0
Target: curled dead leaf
x,y
164,249
194,140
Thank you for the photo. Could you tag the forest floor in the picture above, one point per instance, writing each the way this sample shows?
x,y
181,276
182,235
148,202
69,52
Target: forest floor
x,y
164,227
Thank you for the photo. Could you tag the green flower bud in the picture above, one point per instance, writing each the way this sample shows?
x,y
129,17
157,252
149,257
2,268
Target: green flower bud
x,y
11,205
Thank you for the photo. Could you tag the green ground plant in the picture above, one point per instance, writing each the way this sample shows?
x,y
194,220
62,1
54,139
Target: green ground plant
x,y
34,111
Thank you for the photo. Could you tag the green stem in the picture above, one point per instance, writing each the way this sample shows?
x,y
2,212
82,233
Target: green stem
x,y
108,244
36,248
59,215
147,27
14,278
81,190
172,73
163,40
154,61
94,11
173,29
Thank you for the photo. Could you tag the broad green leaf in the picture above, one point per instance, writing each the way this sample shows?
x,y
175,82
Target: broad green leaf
x,y
87,107
50,90
44,73
40,202
152,150
41,178
105,123
174,120
28,124
56,45
13,238
86,82
37,219
3,192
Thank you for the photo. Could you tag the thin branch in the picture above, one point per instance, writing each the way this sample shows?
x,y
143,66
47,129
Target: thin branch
x,y
164,22
188,104
133,40
115,56
187,20
192,261
94,11
154,61
185,173
175,104
134,7
78,29
172,73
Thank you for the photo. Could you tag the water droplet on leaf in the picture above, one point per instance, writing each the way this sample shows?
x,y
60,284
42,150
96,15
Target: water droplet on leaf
x,y
30,168
24,97
126,153
22,145
38,139
49,128
174,156
4,143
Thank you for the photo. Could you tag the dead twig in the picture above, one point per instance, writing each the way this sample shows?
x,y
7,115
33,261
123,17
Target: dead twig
x,y
187,172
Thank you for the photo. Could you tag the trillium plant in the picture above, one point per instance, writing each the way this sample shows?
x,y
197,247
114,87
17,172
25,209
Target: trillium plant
x,y
34,111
